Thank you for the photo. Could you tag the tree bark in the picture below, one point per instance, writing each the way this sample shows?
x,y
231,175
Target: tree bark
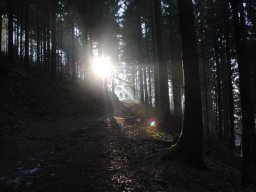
x,y
191,140
164,105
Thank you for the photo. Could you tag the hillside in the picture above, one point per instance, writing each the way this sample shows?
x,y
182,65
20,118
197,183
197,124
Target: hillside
x,y
27,97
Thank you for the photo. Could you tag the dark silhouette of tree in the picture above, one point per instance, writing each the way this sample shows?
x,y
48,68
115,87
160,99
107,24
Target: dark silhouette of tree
x,y
26,28
164,105
10,30
191,139
247,101
1,25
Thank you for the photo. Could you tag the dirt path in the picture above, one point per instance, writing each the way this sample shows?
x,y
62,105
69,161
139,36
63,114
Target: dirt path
x,y
78,154
109,153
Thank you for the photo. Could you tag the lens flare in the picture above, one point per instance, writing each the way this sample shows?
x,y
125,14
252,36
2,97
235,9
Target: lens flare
x,y
152,123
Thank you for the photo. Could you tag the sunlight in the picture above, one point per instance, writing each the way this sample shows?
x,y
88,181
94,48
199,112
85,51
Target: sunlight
x,y
102,67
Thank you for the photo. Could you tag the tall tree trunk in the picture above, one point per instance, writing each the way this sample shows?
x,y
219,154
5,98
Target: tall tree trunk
x,y
177,81
21,44
73,47
38,36
177,87
10,31
1,13
26,60
45,36
145,84
205,100
219,87
229,75
53,51
150,85
141,83
164,105
247,102
155,59
191,140
17,26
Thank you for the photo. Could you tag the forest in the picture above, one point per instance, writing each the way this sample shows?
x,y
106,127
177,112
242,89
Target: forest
x,y
128,95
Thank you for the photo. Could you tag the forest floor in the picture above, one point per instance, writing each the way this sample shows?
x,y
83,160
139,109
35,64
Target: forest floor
x,y
70,149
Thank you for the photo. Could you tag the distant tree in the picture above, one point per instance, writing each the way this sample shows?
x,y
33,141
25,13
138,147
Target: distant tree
x,y
53,51
26,21
10,5
1,13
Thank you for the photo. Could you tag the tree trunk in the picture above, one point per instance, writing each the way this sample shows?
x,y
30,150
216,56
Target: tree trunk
x,y
229,76
164,105
10,31
38,37
155,59
191,141
145,84
219,87
177,87
1,13
247,102
53,51
150,85
141,83
26,60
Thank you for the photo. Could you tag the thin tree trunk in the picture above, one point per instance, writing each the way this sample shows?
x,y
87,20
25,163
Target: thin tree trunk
x,y
141,83
145,84
219,89
1,13
229,75
150,85
38,37
26,60
53,51
155,59
10,31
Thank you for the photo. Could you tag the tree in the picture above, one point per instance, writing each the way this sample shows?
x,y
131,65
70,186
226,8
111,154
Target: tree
x,y
1,13
247,100
10,31
26,19
161,69
191,140
53,51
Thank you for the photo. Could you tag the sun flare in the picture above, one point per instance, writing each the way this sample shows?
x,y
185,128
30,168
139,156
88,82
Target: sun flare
x,y
102,67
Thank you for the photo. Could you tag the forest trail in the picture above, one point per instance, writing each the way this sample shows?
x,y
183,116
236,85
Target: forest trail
x,y
80,154
107,153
